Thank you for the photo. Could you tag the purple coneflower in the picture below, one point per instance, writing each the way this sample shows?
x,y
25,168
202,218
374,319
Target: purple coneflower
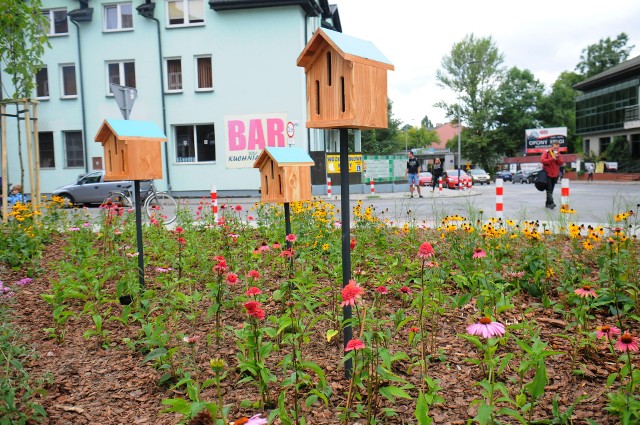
x,y
486,328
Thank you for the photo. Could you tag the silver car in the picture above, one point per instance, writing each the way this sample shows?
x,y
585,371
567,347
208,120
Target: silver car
x,y
93,189
479,176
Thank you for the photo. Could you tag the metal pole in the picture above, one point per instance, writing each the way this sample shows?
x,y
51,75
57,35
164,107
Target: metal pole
x,y
459,138
346,237
136,191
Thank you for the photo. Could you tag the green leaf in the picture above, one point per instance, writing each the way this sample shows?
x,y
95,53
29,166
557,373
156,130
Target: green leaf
x,y
392,392
331,333
154,354
422,410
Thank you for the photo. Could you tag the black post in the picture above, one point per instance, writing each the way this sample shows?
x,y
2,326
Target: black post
x,y
345,211
136,195
287,222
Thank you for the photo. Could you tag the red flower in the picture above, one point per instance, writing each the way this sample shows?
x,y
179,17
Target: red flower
x,y
354,344
253,309
291,237
253,291
238,208
426,250
179,230
382,290
352,244
405,290
221,267
287,253
232,278
182,241
414,329
350,293
253,274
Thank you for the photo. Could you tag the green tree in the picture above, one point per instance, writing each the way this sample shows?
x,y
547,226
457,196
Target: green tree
x,y
426,122
473,70
557,109
607,53
518,97
22,42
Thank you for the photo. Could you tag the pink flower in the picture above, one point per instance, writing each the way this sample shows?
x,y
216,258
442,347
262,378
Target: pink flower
x,y
191,339
253,274
256,420
607,331
253,291
178,230
287,253
250,217
515,275
232,278
291,237
276,245
627,343
382,290
350,293
24,281
163,269
479,253
253,309
425,250
234,237
221,267
486,328
238,208
263,247
354,344
405,290
585,292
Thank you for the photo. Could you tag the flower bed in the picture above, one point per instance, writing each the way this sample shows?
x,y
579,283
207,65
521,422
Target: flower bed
x,y
482,320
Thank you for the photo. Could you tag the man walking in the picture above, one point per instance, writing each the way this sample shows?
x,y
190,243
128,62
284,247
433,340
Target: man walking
x,y
551,162
589,172
413,168
436,174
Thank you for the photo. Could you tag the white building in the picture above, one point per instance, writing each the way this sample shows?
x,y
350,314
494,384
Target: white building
x,y
220,78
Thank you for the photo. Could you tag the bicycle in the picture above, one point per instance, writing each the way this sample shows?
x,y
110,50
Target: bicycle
x,y
155,204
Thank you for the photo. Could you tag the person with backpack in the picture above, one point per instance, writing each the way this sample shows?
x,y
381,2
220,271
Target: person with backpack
x,y
551,162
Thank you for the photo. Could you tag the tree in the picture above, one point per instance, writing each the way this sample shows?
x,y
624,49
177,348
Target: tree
x,y
557,109
603,55
426,122
473,71
22,42
518,97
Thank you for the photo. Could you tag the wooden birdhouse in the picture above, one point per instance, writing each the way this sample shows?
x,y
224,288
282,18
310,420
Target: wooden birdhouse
x,y
285,174
131,149
346,82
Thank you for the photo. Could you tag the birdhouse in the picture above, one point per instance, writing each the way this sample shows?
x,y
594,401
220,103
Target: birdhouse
x,y
285,174
346,82
131,149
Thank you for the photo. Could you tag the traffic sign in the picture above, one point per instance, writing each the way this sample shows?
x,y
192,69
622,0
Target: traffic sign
x,y
290,130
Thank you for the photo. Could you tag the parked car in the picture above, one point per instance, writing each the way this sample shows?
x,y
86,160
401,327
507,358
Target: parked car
x,y
504,175
522,176
450,179
479,176
92,188
425,178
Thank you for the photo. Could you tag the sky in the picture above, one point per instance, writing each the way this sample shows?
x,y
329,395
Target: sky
x,y
544,36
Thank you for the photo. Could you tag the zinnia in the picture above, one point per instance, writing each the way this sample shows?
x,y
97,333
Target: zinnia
x,y
486,328
426,250
254,309
253,274
232,278
253,291
291,237
627,343
354,344
405,290
382,290
350,293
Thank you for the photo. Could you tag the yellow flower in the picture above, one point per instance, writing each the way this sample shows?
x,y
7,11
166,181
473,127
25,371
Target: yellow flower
x,y
550,272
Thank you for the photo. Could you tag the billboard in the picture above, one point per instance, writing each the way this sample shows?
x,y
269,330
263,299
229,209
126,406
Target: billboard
x,y
247,135
355,163
537,140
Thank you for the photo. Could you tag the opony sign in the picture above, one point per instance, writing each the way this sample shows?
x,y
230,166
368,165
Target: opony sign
x,y
537,140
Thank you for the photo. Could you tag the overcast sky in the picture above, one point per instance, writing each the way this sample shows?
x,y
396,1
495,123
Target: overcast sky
x,y
544,36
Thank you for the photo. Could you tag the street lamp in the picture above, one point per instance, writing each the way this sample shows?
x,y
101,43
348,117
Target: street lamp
x,y
462,67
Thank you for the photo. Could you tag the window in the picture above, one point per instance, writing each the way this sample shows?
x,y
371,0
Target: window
x,y
174,75
42,83
73,148
195,143
204,73
56,21
68,73
45,146
121,73
118,17
185,12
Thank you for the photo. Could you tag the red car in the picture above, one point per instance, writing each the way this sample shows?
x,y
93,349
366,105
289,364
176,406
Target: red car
x,y
425,178
450,179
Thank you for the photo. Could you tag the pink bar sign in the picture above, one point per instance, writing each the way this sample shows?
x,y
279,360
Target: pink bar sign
x,y
248,135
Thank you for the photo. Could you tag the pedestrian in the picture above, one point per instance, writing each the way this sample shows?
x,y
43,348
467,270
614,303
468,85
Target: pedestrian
x,y
436,174
413,168
589,172
15,195
551,162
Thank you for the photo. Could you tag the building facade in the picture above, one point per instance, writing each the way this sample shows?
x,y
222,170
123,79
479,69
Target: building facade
x,y
219,77
609,108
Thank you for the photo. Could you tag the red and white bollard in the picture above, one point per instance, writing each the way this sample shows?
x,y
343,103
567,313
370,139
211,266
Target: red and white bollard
x,y
440,184
329,187
373,188
499,197
564,195
214,202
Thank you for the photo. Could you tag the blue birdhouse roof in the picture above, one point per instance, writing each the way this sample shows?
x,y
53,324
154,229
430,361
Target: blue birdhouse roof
x,y
129,129
284,157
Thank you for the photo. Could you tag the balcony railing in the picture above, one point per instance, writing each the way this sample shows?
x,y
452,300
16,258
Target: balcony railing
x,y
632,113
